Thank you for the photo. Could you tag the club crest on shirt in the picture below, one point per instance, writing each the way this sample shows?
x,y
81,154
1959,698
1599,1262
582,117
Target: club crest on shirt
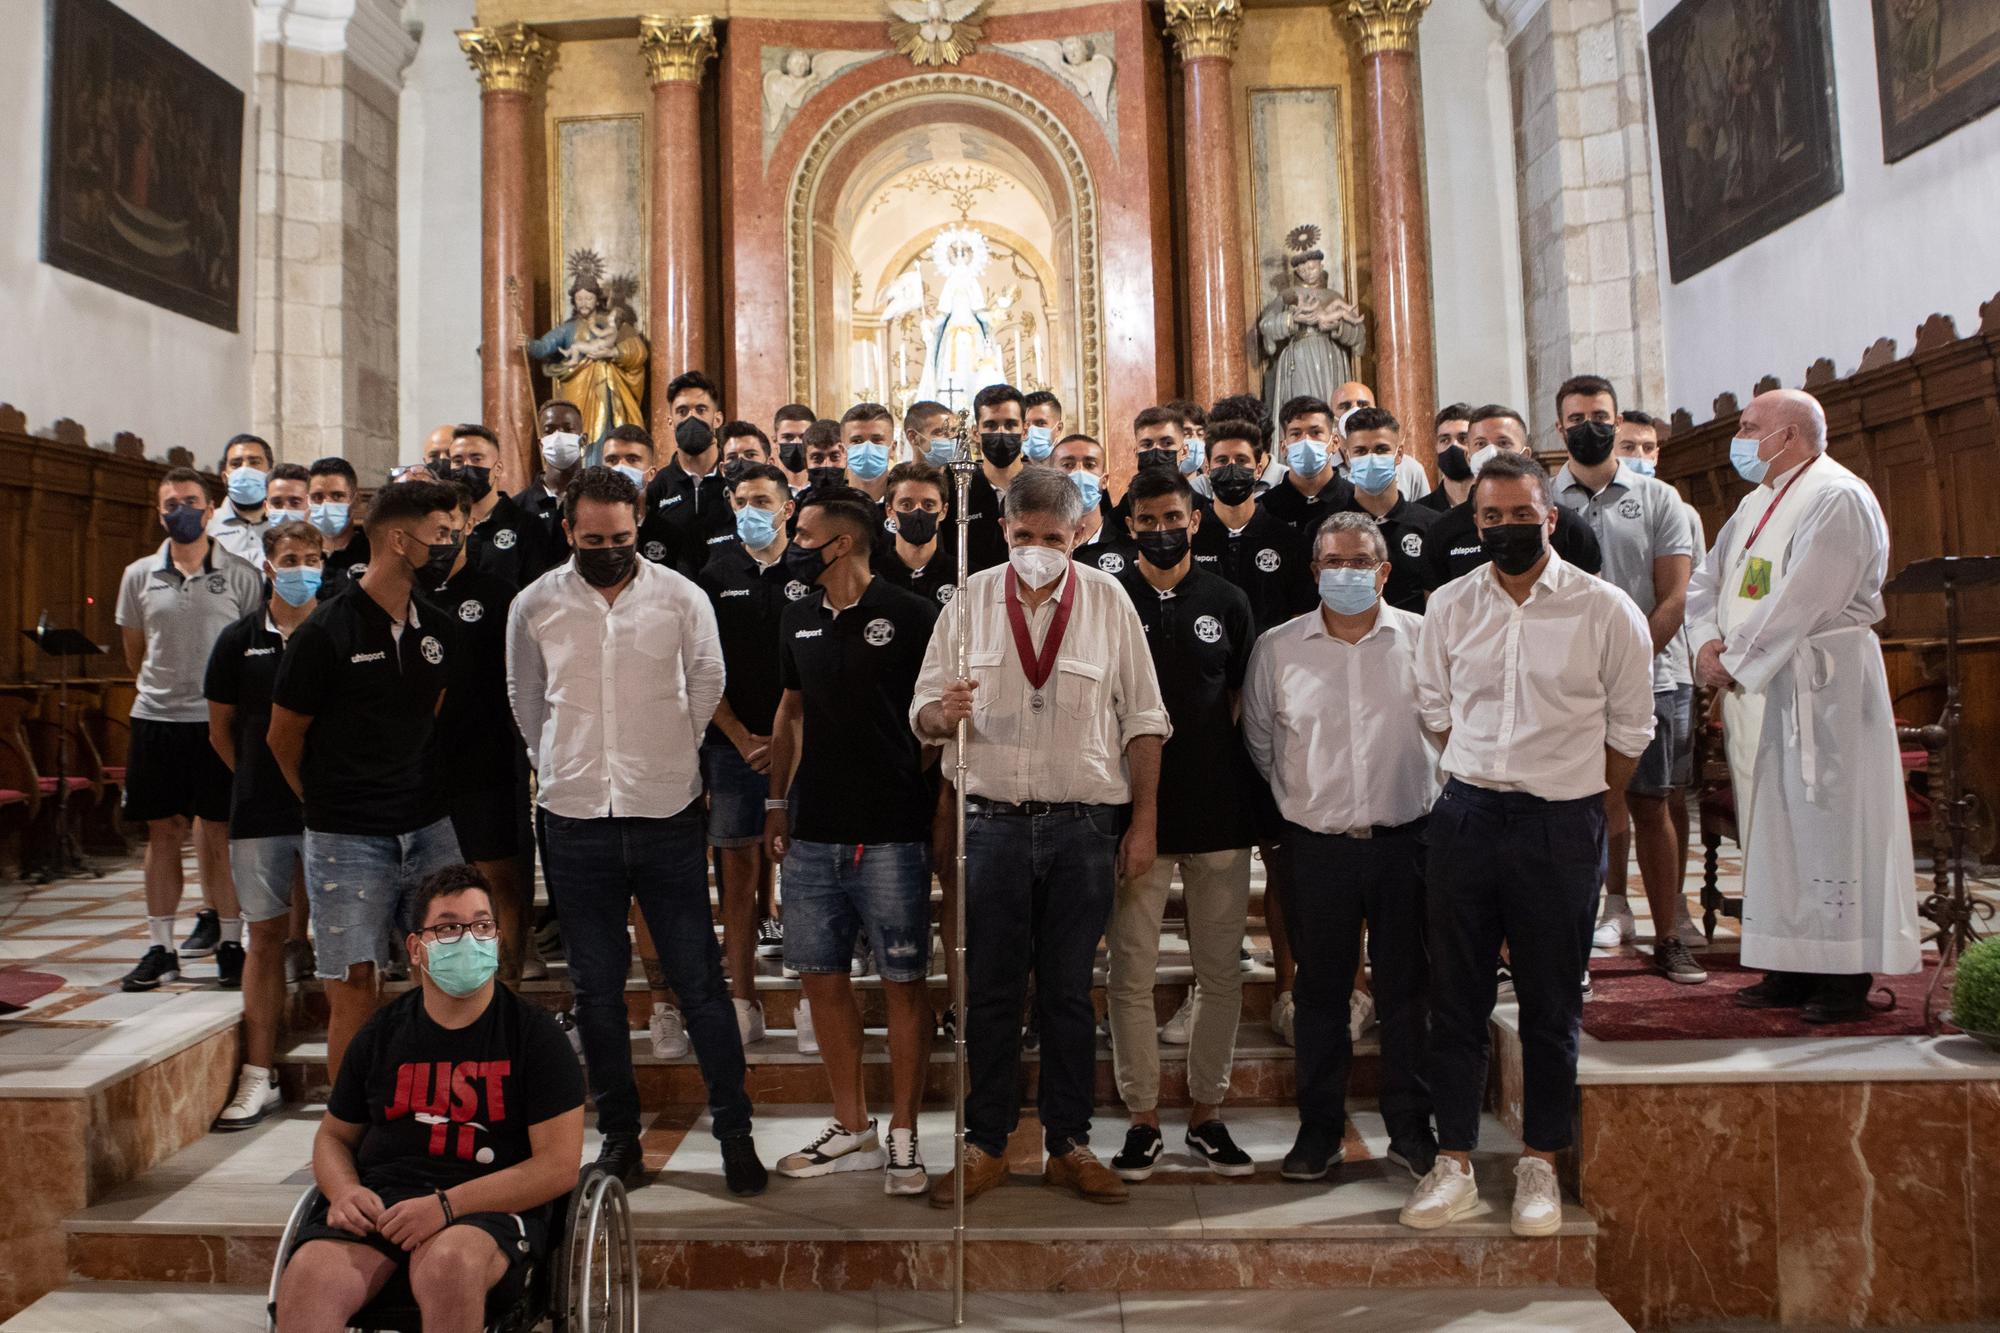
x,y
1629,507
795,589
470,611
878,632
356,571
1111,562
217,583
946,592
1208,629
1268,560
656,552
432,650
1413,544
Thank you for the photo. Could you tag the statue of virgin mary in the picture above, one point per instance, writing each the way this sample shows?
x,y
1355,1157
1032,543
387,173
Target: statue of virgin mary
x,y
962,357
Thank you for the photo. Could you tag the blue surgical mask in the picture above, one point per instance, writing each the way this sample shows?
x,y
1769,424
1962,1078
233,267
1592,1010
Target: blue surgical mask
x,y
631,474
1373,473
941,451
757,527
867,461
1305,457
1644,467
1090,485
464,965
330,519
247,486
1195,455
297,585
1347,592
1038,444
1743,457
278,516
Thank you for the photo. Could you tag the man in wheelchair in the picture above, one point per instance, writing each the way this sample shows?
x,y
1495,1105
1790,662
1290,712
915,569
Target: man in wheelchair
x,y
456,1119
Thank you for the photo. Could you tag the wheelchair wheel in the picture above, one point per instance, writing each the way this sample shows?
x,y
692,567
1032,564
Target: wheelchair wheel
x,y
597,1284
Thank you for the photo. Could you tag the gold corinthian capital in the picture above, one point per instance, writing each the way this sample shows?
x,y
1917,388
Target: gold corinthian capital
x,y
676,49
1384,25
511,58
1205,27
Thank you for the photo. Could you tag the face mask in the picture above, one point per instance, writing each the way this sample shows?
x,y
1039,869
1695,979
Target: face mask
x,y
464,965
278,516
757,528
1089,486
1515,547
1743,457
1166,460
941,451
1232,483
733,470
1000,447
477,481
247,486
631,474
1373,473
1193,457
1644,467
867,461
793,456
561,449
1305,457
807,564
298,585
917,527
330,519
1038,444
826,478
1347,592
1037,566
1589,442
1165,549
186,524
606,566
437,567
440,468
1481,456
1452,463
693,436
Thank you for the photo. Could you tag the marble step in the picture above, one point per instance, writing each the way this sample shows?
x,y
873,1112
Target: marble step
x,y
213,1214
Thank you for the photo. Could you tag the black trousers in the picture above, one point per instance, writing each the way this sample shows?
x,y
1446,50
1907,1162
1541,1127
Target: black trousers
x,y
1507,866
1332,885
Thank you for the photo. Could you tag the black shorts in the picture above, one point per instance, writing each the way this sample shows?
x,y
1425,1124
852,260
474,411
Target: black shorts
x,y
522,1237
171,769
488,821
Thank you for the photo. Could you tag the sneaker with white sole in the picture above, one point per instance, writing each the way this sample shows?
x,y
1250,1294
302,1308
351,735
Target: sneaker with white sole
x,y
835,1149
533,966
1283,1015
905,1172
1538,1207
669,1033
770,938
1174,1032
1446,1193
256,1097
1360,1014
1676,962
749,1020
1617,928
803,1025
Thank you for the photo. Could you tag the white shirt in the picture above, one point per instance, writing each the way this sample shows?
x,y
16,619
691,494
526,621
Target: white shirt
x,y
612,698
1329,723
1100,694
1532,694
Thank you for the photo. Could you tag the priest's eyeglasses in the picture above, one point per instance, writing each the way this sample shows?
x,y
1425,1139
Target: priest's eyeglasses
x,y
449,932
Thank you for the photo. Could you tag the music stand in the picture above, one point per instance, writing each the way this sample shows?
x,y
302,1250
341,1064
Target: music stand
x,y
1952,910
63,645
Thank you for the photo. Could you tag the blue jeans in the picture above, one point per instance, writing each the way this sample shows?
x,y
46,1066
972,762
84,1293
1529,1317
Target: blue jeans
x,y
359,884
1039,890
834,891
596,868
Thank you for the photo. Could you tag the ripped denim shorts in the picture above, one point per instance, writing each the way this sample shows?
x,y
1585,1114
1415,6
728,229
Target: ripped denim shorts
x,y
358,884
834,890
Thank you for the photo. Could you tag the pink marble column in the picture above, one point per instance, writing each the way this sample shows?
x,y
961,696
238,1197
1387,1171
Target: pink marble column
x,y
1205,33
677,52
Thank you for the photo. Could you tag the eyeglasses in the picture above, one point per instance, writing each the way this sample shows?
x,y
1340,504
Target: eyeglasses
x,y
449,932
1351,562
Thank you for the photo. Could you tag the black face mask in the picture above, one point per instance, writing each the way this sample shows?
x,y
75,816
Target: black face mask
x,y
1166,460
917,527
440,468
606,566
733,470
793,456
1514,547
477,482
1453,464
437,567
693,436
1164,549
806,564
1000,447
824,478
1590,442
1232,483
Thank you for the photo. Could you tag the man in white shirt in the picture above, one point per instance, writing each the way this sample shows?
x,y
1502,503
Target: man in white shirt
x,y
1328,722
1539,678
614,669
1065,728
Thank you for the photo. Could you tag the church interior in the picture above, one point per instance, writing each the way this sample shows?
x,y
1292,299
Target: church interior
x,y
336,224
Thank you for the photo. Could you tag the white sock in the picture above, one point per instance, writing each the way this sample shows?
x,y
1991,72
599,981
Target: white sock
x,y
160,931
232,930
1616,904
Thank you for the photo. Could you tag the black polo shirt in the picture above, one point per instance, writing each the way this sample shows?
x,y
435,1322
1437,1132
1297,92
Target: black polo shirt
x,y
1266,559
1451,547
477,738
861,774
1289,504
342,567
1114,557
749,601
1118,521
509,543
240,674
937,580
1403,529
546,506
1200,634
689,515
986,541
1435,499
369,765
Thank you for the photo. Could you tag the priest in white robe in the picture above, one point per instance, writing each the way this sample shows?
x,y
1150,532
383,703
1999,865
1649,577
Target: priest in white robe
x,y
1782,609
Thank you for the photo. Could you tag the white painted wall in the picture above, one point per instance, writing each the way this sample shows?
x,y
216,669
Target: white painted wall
x,y
70,347
438,216
1898,243
1475,234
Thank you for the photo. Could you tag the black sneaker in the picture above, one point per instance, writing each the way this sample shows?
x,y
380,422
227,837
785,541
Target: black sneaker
x,y
1211,1143
1677,963
207,933
1416,1151
229,965
155,969
620,1156
1778,990
740,1167
1314,1153
948,1023
771,938
549,940
1031,1031
1142,1149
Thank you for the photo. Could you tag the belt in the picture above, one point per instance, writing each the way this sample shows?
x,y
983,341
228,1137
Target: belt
x,y
979,805
1368,831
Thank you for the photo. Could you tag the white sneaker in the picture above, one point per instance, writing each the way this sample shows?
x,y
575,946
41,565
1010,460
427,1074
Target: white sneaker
x,y
669,1033
1283,1013
1538,1208
749,1020
1617,928
905,1173
256,1097
835,1149
1447,1193
1360,1014
808,1039
1174,1032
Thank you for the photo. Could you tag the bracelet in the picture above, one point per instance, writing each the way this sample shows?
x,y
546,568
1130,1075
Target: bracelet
x,y
445,1204
770,805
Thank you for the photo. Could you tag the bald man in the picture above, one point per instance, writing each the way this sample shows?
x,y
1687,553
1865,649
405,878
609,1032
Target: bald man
x,y
1412,482
1782,608
437,449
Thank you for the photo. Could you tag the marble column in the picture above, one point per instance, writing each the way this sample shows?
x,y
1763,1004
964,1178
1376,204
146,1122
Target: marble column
x,y
1205,33
677,52
513,64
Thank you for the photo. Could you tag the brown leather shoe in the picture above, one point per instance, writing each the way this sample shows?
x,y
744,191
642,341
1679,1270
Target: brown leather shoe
x,y
1079,1170
982,1170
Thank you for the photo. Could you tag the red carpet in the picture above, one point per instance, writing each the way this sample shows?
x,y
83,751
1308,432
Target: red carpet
x,y
1632,1002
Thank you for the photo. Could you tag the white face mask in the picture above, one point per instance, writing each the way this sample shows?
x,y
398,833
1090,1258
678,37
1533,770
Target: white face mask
x,y
561,449
1485,454
1037,566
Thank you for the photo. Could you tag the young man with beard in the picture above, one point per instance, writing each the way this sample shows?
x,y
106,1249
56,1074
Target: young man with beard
x,y
505,539
1452,547
1101,541
687,502
1374,464
998,416
1451,428
1313,486
331,490
924,554
1239,539
788,431
239,523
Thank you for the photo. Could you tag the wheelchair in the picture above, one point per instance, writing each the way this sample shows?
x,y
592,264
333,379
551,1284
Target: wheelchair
x,y
589,1282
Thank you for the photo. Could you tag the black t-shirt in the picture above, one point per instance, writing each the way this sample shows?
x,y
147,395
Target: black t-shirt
x,y
689,516
477,739
510,543
1267,559
342,567
749,603
1451,547
443,1106
1403,529
986,540
1200,634
1289,504
240,674
937,581
369,766
861,776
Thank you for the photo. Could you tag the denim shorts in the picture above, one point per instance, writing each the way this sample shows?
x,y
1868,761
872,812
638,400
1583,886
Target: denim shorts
x,y
736,795
263,869
359,884
1660,768
834,890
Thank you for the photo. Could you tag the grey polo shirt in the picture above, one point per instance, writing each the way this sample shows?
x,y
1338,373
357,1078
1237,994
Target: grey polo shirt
x,y
238,535
1636,521
181,618
1683,649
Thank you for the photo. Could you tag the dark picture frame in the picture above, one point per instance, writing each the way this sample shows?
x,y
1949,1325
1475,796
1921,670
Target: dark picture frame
x,y
1749,135
142,182
1937,64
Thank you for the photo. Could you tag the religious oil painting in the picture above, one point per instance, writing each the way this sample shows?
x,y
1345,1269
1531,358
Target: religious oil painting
x,y
1938,65
1743,97
144,163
